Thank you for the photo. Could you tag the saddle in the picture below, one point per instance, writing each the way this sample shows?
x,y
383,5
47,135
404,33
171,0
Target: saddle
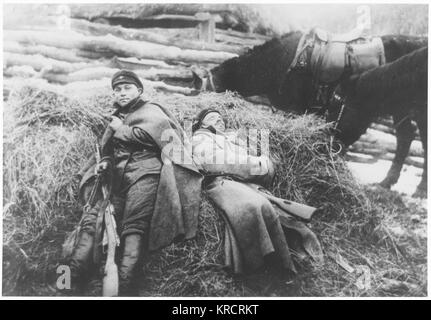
x,y
333,53
327,36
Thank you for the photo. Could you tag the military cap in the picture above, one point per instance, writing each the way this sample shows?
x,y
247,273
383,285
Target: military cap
x,y
126,76
197,121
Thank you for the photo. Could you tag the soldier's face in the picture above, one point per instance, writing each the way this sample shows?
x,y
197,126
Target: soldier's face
x,y
215,120
126,92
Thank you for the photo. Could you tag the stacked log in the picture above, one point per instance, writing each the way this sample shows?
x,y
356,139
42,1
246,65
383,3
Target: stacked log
x,y
98,29
234,38
379,143
69,56
97,73
36,46
46,51
375,144
89,28
116,46
84,88
78,50
386,125
38,62
243,18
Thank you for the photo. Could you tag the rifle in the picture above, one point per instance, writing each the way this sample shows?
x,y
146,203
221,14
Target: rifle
x,y
297,210
110,239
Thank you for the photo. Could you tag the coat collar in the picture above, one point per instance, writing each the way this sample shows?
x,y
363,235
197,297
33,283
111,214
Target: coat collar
x,y
130,107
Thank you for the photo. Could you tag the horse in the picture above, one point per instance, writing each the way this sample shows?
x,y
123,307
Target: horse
x,y
273,69
398,89
267,70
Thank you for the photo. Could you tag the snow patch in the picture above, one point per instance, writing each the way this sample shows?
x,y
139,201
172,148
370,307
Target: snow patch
x,y
376,172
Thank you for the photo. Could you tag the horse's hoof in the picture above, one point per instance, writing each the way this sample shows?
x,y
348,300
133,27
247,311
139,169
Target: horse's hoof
x,y
387,184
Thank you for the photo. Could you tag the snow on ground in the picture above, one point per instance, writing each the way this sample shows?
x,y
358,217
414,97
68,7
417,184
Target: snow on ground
x,y
376,172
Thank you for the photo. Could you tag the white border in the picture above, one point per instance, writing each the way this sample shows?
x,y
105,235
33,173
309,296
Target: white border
x,y
351,2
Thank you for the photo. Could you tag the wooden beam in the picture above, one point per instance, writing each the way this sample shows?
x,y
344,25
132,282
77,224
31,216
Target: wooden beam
x,y
244,35
230,40
390,129
386,142
206,27
150,35
87,87
198,17
118,46
41,63
47,51
96,73
138,64
366,158
91,28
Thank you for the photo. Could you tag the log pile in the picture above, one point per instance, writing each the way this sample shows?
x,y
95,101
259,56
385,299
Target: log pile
x,y
36,46
381,144
242,17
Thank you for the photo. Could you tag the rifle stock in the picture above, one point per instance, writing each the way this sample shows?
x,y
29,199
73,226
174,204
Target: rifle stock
x,y
295,209
110,279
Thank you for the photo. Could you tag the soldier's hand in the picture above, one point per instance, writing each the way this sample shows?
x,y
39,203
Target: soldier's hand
x,y
271,169
268,178
76,179
115,123
101,167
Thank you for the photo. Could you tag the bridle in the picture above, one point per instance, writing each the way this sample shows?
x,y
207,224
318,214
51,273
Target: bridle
x,y
341,100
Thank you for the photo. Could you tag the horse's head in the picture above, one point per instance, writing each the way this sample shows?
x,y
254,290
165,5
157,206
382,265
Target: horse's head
x,y
349,122
260,70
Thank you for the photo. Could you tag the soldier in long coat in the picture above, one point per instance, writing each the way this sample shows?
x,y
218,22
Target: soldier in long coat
x,y
156,185
254,233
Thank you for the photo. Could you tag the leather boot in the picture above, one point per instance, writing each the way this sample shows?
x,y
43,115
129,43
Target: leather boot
x,y
133,246
80,260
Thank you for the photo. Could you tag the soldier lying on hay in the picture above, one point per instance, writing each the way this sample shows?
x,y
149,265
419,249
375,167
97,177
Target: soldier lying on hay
x,y
256,221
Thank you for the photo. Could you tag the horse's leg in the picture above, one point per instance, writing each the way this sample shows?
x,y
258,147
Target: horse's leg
x,y
421,190
405,134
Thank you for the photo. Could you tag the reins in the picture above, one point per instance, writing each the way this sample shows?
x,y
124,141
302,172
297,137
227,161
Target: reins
x,y
337,122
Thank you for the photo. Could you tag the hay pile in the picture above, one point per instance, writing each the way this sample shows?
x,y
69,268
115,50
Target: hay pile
x,y
48,137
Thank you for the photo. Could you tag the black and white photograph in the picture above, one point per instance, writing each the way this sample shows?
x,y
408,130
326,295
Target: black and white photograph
x,y
214,150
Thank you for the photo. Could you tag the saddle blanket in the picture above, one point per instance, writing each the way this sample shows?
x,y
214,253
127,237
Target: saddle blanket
x,y
329,59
